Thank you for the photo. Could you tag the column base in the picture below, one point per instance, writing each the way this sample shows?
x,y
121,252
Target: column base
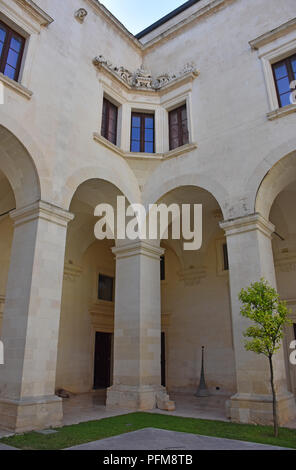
x,y
257,409
31,414
138,398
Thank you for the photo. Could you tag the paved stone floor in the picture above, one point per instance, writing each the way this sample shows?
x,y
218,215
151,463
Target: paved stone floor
x,y
159,439
91,406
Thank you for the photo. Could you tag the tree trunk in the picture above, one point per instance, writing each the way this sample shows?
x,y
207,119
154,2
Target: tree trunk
x,y
275,415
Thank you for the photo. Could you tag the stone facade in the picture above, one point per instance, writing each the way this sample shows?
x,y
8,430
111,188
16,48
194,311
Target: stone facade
x,y
56,167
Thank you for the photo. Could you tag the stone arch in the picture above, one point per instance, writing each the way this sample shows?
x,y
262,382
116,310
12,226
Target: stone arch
x,y
126,183
256,184
23,163
155,189
276,179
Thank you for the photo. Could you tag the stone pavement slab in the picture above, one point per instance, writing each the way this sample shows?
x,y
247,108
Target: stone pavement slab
x,y
5,447
159,439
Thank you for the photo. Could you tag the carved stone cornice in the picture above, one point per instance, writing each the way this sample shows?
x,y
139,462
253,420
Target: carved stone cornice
x,y
192,276
274,34
248,223
40,16
141,79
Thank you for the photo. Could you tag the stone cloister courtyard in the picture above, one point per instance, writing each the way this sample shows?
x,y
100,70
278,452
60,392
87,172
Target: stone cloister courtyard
x,y
196,110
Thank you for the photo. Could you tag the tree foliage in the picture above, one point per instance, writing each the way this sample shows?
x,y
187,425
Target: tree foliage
x,y
262,305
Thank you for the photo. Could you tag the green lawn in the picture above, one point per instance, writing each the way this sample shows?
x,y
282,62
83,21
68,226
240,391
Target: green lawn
x,y
69,436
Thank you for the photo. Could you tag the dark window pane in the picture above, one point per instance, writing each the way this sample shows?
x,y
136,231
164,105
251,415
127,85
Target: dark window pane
x,y
295,330
142,133
285,99
149,147
280,71
283,85
136,121
11,47
12,58
105,291
162,268
9,72
2,34
285,73
225,257
16,44
149,135
136,133
136,146
149,123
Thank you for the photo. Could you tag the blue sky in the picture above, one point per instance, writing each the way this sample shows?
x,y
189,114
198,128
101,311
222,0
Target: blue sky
x,y
137,15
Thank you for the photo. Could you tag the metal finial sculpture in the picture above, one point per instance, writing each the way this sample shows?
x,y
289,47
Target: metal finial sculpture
x,y
202,390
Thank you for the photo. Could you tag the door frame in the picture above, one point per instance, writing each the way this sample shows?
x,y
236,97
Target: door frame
x,y
93,352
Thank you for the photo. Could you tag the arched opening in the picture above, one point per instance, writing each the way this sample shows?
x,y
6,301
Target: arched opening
x,y
85,347
19,186
196,308
276,200
7,203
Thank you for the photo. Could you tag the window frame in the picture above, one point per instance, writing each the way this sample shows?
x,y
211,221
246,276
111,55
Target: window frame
x,y
142,116
181,142
6,47
286,61
102,275
107,123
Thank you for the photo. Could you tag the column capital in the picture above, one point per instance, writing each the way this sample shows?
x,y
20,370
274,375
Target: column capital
x,y
41,210
249,223
137,248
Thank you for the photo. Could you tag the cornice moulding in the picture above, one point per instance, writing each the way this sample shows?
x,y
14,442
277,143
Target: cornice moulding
x,y
281,112
248,223
40,15
144,156
115,22
17,87
207,10
273,34
141,79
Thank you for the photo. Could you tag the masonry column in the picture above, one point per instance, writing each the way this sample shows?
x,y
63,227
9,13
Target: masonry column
x,y
137,332
31,319
251,258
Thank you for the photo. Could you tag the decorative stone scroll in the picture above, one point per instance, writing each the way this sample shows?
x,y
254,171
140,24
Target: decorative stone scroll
x,y
81,14
142,79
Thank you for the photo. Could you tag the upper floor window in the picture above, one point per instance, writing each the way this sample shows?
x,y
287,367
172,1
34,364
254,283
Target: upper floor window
x,y
284,73
162,268
11,51
142,133
178,127
225,257
109,121
106,288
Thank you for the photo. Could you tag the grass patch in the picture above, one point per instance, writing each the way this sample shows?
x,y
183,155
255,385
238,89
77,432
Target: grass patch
x,y
69,436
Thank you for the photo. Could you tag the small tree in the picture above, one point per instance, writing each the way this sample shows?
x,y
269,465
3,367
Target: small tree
x,y
262,305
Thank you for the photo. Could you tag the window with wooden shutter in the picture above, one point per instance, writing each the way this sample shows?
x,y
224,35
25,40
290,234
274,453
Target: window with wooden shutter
x,y
109,121
178,127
